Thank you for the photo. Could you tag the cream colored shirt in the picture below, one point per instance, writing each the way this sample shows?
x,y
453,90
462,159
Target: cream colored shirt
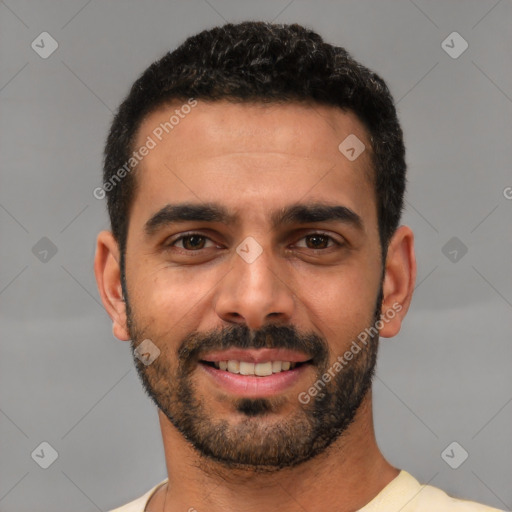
x,y
402,494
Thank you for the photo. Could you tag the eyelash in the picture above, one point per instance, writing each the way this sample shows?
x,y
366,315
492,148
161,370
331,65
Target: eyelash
x,y
170,245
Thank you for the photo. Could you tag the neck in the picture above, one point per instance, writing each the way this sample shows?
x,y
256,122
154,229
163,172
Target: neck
x,y
348,475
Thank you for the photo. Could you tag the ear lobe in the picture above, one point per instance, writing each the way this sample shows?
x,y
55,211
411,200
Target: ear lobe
x,y
399,280
108,278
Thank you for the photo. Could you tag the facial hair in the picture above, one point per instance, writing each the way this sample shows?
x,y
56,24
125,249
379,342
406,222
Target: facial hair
x,y
251,443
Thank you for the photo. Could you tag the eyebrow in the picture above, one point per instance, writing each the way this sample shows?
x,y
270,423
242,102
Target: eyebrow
x,y
213,212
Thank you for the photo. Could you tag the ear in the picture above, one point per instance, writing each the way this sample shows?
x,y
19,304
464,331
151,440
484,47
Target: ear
x,y
399,280
108,278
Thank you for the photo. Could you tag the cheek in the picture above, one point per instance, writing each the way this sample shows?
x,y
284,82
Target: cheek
x,y
342,305
166,295
345,306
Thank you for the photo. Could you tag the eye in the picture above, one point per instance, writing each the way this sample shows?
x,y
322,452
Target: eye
x,y
190,242
319,241
195,242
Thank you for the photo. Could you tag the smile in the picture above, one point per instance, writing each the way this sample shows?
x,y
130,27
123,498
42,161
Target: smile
x,y
270,372
258,369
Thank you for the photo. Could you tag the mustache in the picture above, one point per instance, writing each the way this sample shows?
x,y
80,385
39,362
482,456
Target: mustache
x,y
197,344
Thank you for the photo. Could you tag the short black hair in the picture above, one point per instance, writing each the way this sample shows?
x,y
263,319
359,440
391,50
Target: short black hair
x,y
267,63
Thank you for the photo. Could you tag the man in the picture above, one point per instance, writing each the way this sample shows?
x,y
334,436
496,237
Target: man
x,y
255,180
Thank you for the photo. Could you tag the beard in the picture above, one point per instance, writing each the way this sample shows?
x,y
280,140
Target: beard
x,y
262,440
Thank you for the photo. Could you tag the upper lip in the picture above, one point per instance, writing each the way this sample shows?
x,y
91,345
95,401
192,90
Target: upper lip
x,y
256,356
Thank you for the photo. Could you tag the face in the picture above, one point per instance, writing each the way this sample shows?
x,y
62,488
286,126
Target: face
x,y
253,245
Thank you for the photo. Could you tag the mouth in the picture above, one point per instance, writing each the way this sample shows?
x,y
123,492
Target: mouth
x,y
263,369
255,373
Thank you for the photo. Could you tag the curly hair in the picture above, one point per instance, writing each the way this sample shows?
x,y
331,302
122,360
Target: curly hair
x,y
267,63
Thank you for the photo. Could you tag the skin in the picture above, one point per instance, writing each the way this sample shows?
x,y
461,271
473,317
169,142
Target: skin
x,y
255,158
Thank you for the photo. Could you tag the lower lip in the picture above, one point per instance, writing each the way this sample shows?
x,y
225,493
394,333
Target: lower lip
x,y
250,386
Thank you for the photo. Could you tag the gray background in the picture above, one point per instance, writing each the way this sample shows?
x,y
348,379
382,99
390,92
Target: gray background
x,y
67,381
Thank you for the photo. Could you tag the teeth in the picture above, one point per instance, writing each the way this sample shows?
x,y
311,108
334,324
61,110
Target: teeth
x,y
258,369
246,368
234,366
263,369
277,366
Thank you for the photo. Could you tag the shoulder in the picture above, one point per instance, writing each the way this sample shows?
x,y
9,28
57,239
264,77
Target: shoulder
x,y
430,498
406,494
139,505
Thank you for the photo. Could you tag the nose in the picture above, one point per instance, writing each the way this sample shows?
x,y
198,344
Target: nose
x,y
255,293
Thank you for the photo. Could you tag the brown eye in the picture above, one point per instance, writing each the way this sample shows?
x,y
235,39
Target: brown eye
x,y
190,242
319,241
193,242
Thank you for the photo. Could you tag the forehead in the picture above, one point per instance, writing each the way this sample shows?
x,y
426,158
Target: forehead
x,y
307,130
250,152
